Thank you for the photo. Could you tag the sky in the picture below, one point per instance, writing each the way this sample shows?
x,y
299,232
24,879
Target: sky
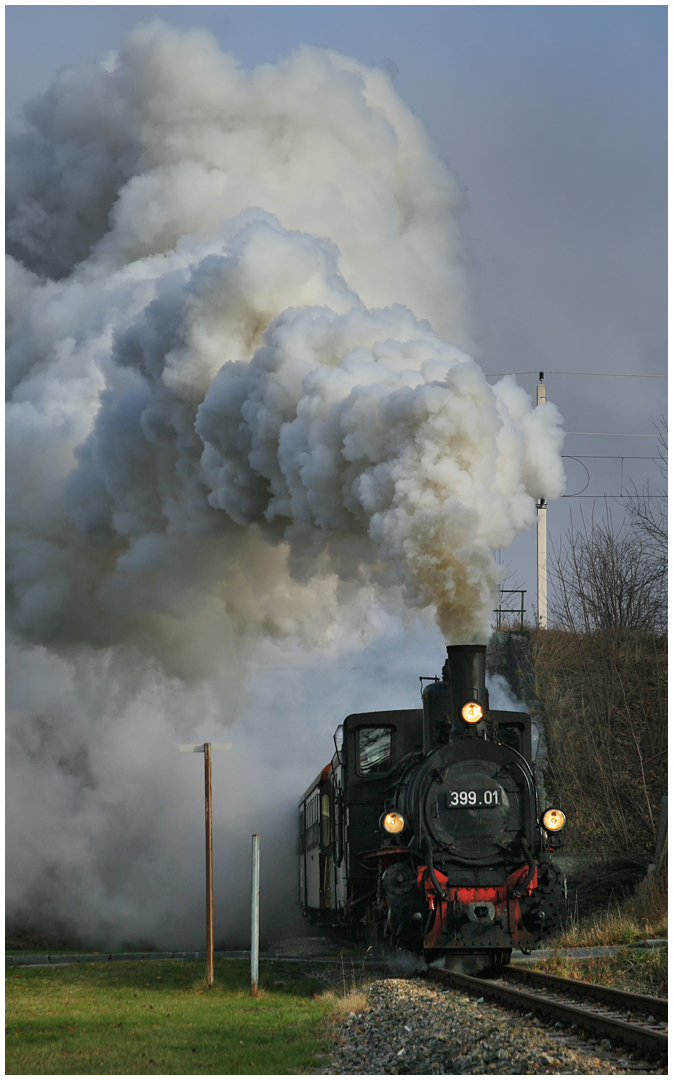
x,y
553,120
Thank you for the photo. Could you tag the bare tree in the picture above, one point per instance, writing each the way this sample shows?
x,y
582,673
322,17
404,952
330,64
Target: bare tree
x,y
648,514
601,677
608,577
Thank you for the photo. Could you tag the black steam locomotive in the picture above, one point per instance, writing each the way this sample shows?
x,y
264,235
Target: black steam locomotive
x,y
425,830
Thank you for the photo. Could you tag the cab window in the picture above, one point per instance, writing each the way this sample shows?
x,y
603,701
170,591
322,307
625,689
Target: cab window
x,y
375,750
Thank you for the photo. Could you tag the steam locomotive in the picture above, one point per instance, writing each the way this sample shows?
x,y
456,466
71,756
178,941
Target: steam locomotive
x,y
425,831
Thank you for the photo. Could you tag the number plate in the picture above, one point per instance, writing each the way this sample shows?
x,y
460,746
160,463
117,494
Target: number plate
x,y
457,800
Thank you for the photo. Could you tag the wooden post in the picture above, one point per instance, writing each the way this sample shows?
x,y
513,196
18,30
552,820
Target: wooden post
x,y
205,749
210,959
662,835
662,830
254,927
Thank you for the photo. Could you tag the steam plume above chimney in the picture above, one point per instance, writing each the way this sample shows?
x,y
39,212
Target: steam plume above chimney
x,y
229,293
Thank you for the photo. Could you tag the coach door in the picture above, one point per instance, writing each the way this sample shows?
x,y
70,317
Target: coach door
x,y
326,846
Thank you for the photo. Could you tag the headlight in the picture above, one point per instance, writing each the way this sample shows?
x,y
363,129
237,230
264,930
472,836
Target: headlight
x,y
553,820
393,822
472,712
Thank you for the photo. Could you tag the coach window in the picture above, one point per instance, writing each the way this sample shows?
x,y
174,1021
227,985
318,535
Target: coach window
x,y
312,823
375,750
326,838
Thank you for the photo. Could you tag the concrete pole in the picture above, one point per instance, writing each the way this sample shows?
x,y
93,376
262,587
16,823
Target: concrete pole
x,y
542,564
210,957
542,535
254,928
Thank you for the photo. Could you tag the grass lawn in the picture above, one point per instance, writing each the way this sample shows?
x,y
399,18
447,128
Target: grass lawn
x,y
159,1016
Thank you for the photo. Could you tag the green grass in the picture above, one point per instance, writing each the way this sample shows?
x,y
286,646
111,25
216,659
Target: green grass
x,y
640,971
159,1016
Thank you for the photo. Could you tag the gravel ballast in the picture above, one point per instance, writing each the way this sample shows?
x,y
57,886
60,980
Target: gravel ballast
x,y
417,1028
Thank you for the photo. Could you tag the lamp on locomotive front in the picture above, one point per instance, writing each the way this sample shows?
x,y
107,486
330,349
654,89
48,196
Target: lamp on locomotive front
x,y
393,822
472,712
553,820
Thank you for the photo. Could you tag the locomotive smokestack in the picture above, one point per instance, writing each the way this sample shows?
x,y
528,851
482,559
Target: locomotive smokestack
x,y
465,671
463,681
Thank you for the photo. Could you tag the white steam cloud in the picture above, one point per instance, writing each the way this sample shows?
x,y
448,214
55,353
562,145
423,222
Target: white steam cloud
x,y
233,413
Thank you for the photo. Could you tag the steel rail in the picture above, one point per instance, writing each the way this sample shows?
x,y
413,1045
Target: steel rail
x,y
609,995
647,1040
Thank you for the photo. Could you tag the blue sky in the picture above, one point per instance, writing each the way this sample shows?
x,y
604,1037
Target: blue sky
x,y
553,119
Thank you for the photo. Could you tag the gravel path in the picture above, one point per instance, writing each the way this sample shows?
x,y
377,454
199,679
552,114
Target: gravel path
x,y
416,1028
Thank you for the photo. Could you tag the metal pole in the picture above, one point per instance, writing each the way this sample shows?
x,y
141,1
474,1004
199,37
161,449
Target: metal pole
x,y
210,959
254,929
542,535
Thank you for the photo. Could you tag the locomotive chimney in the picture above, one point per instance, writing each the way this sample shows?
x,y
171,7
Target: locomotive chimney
x,y
463,681
465,671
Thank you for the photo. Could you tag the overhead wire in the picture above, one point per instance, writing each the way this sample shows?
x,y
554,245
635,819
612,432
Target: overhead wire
x,y
598,434
617,434
590,374
604,495
617,457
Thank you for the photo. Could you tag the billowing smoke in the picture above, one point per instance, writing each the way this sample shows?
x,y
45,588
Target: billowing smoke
x,y
235,429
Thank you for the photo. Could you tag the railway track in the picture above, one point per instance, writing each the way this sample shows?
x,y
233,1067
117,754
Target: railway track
x,y
635,1019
